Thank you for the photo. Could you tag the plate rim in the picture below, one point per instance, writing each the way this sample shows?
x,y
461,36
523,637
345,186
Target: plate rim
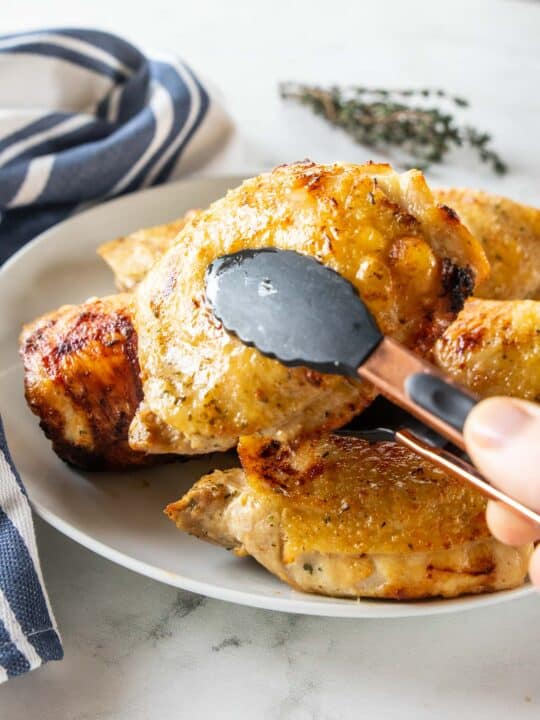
x,y
282,602
302,603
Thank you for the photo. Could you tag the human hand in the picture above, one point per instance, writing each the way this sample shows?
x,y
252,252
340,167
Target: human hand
x,y
502,436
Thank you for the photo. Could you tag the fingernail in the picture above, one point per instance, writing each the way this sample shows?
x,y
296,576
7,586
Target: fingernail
x,y
495,422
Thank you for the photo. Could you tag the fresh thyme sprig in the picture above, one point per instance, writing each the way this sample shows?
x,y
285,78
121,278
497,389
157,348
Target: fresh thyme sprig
x,y
381,118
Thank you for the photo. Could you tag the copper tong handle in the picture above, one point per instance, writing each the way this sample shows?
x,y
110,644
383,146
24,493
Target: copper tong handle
x,y
443,407
438,402
463,471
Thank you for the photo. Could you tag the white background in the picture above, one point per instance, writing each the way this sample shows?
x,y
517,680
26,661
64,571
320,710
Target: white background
x,y
136,649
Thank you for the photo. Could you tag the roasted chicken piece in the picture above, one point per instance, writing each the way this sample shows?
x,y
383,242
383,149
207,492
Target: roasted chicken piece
x,y
494,348
411,259
131,257
82,380
340,516
510,235
508,231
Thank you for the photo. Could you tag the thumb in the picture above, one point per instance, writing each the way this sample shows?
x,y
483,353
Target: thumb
x,y
502,436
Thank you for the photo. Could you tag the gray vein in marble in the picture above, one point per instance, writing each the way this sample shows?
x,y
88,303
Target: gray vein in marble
x,y
283,634
295,698
233,641
183,605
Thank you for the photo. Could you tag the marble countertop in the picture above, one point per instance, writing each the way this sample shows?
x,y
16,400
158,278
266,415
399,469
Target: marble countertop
x,y
138,650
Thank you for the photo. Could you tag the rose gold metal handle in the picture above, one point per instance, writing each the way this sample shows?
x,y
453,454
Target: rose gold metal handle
x,y
389,367
463,471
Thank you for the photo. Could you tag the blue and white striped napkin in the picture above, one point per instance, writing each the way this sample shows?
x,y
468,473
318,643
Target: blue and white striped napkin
x,y
84,116
28,634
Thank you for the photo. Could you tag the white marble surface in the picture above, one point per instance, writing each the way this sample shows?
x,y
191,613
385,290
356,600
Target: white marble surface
x,y
139,650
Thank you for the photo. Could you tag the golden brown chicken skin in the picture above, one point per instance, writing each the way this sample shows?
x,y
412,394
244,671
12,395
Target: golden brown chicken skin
x,y
411,259
510,235
508,231
82,380
340,516
493,347
130,257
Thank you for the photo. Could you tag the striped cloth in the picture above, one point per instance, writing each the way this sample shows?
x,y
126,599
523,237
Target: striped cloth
x,y
84,116
28,634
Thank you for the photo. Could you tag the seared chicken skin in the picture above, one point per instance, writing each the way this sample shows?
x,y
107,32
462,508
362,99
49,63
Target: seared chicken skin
x,y
340,516
82,380
508,231
131,257
411,259
510,235
494,348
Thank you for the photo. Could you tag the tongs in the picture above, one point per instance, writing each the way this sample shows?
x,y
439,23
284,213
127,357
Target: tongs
x,y
302,313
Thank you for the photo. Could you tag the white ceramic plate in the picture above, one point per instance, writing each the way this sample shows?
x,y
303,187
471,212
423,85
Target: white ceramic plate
x,y
119,515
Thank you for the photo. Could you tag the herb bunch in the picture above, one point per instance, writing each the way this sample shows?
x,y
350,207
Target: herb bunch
x,y
407,119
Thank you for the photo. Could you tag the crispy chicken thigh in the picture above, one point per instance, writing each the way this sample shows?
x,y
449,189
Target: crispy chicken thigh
x,y
131,257
82,380
411,259
493,347
341,516
508,231
70,355
510,235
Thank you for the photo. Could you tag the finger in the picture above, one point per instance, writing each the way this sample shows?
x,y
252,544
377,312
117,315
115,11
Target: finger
x,y
502,436
508,527
534,568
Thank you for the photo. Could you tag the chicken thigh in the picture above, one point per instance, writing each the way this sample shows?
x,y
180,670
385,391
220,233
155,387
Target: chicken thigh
x,y
493,347
82,380
411,259
510,235
344,517
130,257
508,231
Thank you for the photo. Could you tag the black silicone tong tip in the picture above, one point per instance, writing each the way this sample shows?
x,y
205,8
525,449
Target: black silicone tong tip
x,y
292,308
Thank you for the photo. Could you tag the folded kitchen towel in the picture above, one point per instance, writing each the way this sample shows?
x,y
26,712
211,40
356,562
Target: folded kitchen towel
x,y
28,635
84,116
